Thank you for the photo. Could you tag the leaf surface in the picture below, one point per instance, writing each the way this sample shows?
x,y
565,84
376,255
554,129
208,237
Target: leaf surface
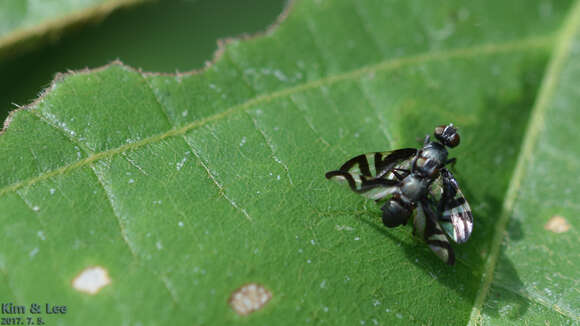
x,y
537,263
186,187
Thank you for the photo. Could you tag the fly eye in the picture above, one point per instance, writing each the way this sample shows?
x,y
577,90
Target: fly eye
x,y
453,140
439,131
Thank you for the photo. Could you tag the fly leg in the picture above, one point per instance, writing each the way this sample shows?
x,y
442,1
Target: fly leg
x,y
402,175
451,161
433,234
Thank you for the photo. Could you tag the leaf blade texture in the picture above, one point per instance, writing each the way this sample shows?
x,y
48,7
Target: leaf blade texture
x,y
186,187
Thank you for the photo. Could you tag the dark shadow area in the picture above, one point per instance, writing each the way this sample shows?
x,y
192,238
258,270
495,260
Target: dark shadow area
x,y
507,297
487,158
514,229
419,254
161,36
489,154
506,290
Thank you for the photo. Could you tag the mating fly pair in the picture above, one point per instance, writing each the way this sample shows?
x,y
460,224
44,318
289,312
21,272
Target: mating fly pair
x,y
412,179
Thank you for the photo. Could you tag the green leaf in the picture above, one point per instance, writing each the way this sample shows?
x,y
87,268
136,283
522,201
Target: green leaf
x,y
25,23
185,187
194,27
537,263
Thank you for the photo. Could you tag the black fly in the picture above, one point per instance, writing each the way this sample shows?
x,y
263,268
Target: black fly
x,y
410,178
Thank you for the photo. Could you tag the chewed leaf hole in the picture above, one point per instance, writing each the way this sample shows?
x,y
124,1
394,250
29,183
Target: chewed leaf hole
x,y
557,224
91,280
249,298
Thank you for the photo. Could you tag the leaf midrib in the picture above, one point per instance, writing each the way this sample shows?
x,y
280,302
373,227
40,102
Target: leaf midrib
x,y
387,65
109,199
545,94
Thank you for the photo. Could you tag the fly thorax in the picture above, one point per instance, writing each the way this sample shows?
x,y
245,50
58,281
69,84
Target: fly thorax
x,y
430,159
414,187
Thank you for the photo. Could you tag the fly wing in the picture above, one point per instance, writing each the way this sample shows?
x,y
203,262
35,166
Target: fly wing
x,y
426,226
371,174
455,214
377,164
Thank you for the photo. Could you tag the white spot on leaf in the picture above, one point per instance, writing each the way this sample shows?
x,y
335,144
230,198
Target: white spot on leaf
x,y
180,164
33,252
280,75
249,298
557,224
91,280
343,227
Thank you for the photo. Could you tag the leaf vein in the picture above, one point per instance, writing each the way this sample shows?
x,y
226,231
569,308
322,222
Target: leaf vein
x,y
219,185
36,214
268,141
161,107
107,191
124,235
366,28
309,122
8,285
210,174
534,127
388,65
51,121
382,122
240,71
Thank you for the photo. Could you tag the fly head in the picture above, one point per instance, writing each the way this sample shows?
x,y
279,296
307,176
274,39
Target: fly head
x,y
447,135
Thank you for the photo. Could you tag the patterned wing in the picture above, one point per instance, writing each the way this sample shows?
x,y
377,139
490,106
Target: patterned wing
x,y
371,174
426,226
454,212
